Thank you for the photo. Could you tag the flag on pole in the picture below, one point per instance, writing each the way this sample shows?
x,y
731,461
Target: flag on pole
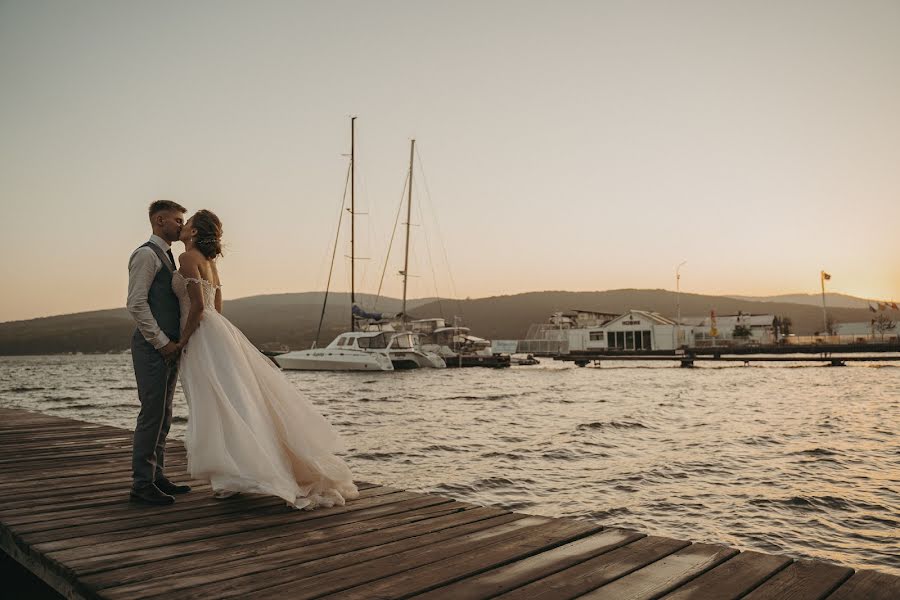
x,y
825,276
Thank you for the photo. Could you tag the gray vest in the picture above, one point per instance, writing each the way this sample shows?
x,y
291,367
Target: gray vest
x,y
162,299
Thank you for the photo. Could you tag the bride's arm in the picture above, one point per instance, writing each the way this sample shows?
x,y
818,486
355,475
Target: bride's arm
x,y
218,288
189,268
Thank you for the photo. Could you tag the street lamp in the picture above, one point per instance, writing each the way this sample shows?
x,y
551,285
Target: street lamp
x,y
678,299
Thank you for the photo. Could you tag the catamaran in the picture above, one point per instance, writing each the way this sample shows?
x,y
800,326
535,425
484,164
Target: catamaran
x,y
354,350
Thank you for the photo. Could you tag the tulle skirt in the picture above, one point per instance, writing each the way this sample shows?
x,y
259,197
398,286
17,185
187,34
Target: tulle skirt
x,y
250,429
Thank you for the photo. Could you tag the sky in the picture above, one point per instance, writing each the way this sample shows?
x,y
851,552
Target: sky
x,y
562,145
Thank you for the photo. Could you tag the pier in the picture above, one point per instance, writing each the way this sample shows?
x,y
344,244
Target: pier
x,y
830,354
66,517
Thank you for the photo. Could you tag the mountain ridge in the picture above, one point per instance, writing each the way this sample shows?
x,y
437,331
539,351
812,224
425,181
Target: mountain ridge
x,y
291,319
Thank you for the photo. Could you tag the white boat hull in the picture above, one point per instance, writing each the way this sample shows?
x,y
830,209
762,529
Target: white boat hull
x,y
415,359
328,359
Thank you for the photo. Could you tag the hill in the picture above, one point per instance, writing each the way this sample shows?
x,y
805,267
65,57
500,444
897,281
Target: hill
x,y
508,317
831,300
291,319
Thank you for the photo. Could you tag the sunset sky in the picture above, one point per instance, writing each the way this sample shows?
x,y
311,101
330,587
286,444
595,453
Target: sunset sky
x,y
566,145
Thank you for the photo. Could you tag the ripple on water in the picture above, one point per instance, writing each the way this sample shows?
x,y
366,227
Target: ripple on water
x,y
612,425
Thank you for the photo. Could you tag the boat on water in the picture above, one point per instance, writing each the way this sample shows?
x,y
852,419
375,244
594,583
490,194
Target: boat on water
x,y
416,343
456,345
526,361
354,350
404,347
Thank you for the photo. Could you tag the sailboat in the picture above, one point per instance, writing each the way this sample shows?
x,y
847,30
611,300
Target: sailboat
x,y
354,350
404,346
433,343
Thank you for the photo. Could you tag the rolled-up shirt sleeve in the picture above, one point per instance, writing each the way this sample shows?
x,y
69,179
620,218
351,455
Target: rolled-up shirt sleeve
x,y
142,268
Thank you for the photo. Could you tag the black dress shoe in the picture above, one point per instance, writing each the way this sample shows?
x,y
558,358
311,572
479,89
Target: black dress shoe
x,y
167,487
150,494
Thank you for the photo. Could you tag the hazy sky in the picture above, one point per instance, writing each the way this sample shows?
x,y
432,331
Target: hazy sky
x,y
566,145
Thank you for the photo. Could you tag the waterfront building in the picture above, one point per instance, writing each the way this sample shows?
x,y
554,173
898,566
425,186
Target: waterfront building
x,y
750,329
641,330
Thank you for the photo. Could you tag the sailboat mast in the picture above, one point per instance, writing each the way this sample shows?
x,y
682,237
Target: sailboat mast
x,y
412,151
352,221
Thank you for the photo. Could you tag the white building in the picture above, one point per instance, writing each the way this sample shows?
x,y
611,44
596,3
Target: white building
x,y
634,330
641,330
760,327
554,336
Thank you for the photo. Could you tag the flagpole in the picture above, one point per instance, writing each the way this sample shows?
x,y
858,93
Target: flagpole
x,y
824,309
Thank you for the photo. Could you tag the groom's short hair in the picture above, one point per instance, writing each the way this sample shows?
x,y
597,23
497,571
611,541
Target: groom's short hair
x,y
161,205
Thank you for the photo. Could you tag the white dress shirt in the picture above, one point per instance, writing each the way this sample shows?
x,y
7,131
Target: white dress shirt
x,y
143,266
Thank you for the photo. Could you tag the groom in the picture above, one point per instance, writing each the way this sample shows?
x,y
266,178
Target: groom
x,y
154,307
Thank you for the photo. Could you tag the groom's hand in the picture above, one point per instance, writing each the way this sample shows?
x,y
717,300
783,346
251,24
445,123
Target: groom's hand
x,y
169,350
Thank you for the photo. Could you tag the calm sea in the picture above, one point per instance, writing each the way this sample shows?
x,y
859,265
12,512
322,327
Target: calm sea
x,y
801,460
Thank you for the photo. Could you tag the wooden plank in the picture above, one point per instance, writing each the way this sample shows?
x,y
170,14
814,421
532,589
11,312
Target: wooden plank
x,y
56,499
388,543
517,574
24,461
732,579
591,574
123,512
78,485
51,468
54,447
133,516
802,580
202,569
870,585
50,574
9,440
62,496
102,534
175,462
55,540
12,471
116,507
665,574
151,548
442,572
12,425
353,575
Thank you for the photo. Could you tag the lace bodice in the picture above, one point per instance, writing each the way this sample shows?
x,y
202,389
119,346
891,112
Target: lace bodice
x,y
179,286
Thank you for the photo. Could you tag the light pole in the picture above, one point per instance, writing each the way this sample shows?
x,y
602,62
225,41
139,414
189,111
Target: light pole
x,y
678,300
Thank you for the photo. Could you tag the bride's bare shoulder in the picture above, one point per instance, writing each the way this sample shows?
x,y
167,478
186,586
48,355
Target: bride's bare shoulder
x,y
189,263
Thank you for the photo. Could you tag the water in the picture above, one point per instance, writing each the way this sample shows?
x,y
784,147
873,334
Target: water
x,y
799,460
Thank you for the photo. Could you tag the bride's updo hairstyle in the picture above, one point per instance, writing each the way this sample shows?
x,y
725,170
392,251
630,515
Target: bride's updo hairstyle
x,y
209,233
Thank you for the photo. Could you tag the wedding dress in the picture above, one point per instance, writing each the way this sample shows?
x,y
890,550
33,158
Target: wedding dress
x,y
249,428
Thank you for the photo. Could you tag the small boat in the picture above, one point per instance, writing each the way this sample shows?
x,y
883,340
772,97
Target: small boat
x,y
406,353
527,361
404,347
456,345
352,351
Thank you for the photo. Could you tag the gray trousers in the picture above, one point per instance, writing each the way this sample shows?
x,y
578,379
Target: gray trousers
x,y
156,381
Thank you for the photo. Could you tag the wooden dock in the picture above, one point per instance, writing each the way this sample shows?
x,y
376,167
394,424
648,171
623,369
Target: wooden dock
x,y
65,516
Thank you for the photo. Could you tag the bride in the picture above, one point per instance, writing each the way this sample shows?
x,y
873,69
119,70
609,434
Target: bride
x,y
250,429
